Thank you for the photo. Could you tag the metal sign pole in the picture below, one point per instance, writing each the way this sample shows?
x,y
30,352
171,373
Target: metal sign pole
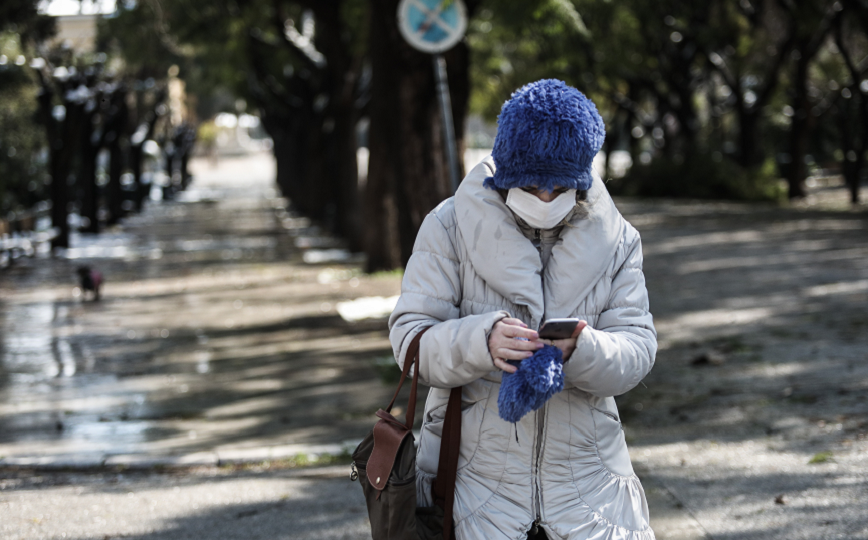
x,y
446,118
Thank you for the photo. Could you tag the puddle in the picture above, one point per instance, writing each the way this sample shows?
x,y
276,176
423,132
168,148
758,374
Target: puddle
x,y
28,347
48,392
109,246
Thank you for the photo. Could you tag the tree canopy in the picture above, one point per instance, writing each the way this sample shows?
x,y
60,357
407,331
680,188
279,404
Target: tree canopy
x,y
713,99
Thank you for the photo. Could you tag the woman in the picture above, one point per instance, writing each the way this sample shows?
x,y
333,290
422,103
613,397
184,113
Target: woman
x,y
532,234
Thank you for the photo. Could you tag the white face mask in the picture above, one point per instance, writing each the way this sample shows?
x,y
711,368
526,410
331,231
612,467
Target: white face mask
x,y
538,213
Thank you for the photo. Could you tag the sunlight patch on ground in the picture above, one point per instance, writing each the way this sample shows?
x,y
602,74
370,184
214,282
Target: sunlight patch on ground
x,y
373,307
684,326
843,287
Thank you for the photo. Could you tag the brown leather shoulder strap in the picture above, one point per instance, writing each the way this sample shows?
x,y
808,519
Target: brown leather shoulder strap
x,y
412,357
447,468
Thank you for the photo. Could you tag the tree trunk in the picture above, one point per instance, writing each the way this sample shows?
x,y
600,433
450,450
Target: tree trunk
x,y
862,147
381,241
114,195
87,173
63,136
288,131
854,154
115,126
136,162
61,164
342,171
854,135
631,121
283,151
408,170
798,140
341,175
749,155
849,168
318,190
284,165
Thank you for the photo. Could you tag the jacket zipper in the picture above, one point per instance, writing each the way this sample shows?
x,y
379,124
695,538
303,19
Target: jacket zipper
x,y
537,487
540,422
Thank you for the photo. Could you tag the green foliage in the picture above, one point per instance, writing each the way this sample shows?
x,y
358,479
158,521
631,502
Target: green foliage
x,y
21,16
22,140
820,457
701,176
22,161
397,273
515,42
698,79
137,37
291,462
387,369
217,45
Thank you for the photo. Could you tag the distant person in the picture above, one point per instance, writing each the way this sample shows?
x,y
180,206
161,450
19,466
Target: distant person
x,y
532,234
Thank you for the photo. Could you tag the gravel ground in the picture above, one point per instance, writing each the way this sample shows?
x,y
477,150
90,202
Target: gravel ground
x,y
227,503
756,413
200,504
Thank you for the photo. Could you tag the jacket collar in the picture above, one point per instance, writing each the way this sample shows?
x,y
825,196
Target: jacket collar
x,y
510,264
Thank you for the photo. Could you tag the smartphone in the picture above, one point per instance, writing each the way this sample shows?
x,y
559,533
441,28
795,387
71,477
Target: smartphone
x,y
558,328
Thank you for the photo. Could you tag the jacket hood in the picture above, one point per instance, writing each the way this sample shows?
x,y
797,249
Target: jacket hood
x,y
511,265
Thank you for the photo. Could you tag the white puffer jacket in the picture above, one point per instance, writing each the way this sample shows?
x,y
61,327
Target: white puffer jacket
x,y
569,468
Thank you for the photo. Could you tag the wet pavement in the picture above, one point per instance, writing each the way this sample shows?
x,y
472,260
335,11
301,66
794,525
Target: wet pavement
x,y
213,340
219,349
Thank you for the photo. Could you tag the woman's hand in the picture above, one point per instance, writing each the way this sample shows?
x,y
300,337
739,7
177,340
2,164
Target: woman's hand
x,y
503,345
568,345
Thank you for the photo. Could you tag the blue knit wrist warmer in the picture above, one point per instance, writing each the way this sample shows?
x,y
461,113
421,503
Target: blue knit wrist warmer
x,y
538,378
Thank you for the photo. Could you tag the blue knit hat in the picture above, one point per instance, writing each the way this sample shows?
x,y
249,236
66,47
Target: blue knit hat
x,y
547,136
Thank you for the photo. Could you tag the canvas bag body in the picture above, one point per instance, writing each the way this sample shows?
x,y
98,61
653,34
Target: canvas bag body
x,y
392,511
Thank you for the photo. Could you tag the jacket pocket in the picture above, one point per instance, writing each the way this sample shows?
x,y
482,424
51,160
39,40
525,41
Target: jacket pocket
x,y
610,442
473,412
474,398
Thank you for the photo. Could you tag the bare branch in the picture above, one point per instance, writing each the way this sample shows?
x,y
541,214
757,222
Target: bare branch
x,y
856,72
301,45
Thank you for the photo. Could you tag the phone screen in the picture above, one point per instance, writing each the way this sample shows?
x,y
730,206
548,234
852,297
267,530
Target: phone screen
x,y
558,328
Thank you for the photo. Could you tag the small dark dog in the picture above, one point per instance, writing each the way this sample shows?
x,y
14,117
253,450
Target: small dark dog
x,y
91,280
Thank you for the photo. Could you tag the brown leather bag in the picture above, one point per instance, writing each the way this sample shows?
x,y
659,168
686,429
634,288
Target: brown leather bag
x,y
385,465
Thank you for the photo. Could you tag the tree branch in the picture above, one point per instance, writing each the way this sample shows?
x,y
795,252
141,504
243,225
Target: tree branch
x,y
855,72
771,81
299,44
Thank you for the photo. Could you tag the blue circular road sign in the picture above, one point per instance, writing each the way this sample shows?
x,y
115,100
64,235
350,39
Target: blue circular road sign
x,y
432,26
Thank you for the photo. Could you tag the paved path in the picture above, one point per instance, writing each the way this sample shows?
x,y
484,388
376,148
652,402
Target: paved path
x,y
213,340
218,348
